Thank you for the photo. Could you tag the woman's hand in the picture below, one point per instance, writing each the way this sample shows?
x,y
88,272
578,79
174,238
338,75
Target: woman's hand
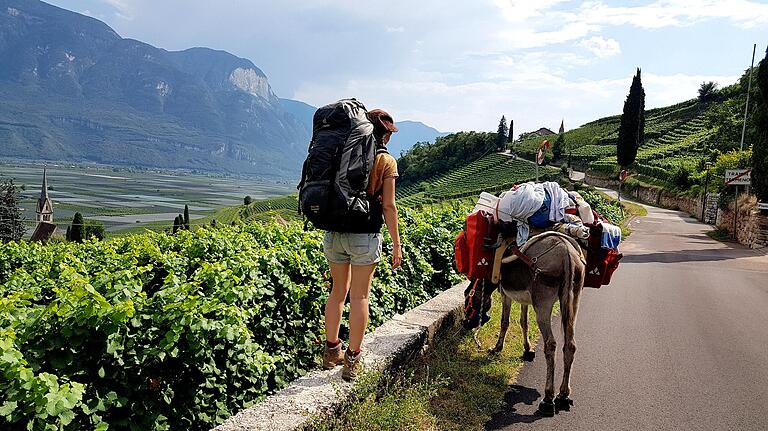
x,y
397,257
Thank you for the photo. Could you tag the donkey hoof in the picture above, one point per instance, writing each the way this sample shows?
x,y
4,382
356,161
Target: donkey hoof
x,y
528,356
563,403
546,408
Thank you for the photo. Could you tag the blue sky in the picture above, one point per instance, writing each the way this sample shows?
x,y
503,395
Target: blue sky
x,y
460,65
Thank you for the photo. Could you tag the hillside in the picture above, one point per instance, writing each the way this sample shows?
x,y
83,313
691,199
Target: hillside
x,y
679,139
73,89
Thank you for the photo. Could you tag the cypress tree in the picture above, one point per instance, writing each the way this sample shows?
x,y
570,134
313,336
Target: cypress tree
x,y
181,222
760,145
76,232
11,222
176,224
186,217
68,235
632,127
511,132
557,148
501,133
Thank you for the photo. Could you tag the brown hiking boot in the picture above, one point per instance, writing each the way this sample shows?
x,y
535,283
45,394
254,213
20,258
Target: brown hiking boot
x,y
353,365
332,357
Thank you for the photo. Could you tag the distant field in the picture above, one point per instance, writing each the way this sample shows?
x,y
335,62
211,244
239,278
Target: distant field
x,y
127,201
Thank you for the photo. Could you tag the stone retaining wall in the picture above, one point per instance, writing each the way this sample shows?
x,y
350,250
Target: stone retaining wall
x,y
752,226
652,195
321,392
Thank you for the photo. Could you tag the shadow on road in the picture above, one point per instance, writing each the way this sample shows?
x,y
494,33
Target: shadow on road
x,y
508,415
713,255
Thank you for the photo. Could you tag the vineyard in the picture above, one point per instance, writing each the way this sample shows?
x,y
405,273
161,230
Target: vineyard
x,y
492,173
675,136
158,331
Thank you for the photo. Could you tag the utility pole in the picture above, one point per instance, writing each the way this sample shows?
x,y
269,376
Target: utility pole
x,y
741,145
746,106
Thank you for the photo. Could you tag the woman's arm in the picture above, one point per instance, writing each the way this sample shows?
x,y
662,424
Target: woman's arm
x,y
390,218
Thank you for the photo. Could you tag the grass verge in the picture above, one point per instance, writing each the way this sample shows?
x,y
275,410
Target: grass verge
x,y
455,386
719,235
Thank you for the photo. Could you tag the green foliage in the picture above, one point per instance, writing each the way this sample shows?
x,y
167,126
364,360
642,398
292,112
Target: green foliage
x,y
492,173
76,233
511,132
247,200
608,208
502,133
156,331
425,160
760,143
94,230
632,127
707,91
558,147
186,217
11,222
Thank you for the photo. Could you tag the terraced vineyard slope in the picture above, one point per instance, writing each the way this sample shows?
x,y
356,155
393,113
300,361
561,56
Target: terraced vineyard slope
x,y
492,173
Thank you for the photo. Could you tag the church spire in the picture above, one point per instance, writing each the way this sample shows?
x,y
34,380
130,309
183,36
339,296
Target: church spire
x,y
44,204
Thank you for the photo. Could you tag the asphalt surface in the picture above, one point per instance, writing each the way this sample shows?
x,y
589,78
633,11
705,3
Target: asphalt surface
x,y
678,340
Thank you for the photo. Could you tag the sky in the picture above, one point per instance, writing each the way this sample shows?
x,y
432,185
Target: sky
x,y
460,65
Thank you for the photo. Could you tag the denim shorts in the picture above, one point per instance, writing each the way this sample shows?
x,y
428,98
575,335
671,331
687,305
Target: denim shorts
x,y
354,248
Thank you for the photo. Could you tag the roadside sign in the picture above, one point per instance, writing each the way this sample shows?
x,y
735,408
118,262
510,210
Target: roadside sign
x,y
738,177
540,154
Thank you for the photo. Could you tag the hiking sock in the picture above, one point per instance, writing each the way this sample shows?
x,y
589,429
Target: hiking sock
x,y
332,344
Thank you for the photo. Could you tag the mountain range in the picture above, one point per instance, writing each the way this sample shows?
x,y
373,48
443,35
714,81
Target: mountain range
x,y
73,89
409,132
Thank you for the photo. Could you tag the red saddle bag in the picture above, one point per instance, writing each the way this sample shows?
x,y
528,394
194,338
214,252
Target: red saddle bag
x,y
473,246
601,263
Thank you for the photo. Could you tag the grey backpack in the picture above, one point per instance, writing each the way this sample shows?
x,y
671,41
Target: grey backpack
x,y
334,179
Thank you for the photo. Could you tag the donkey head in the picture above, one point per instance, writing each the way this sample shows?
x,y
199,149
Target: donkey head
x,y
477,302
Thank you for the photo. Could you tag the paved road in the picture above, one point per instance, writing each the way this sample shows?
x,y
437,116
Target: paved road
x,y
679,340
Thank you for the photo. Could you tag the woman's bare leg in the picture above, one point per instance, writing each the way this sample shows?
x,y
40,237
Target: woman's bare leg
x,y
334,307
360,287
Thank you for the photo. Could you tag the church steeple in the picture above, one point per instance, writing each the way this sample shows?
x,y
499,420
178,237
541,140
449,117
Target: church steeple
x,y
44,204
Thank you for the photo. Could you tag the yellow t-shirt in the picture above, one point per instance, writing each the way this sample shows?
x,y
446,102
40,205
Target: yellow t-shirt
x,y
384,167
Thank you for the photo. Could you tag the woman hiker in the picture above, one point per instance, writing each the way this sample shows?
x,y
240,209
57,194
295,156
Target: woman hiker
x,y
353,257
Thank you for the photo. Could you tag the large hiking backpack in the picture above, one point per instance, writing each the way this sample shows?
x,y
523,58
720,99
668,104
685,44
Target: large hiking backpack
x,y
332,191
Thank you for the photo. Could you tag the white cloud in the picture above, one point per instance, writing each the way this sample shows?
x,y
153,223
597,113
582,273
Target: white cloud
x,y
536,100
124,10
601,46
664,13
593,16
399,29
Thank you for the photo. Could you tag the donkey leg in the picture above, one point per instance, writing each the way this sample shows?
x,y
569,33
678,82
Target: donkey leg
x,y
569,349
528,355
563,402
505,310
544,319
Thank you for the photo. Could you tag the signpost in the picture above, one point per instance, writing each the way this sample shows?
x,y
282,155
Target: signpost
x,y
622,177
737,177
540,156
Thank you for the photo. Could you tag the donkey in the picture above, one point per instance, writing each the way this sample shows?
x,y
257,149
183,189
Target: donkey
x,y
552,268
